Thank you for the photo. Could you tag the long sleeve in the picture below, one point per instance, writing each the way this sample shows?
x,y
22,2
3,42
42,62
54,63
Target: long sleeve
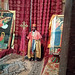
x,y
29,35
39,36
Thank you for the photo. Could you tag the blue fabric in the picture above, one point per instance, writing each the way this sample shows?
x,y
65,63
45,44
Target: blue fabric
x,y
30,24
57,36
33,45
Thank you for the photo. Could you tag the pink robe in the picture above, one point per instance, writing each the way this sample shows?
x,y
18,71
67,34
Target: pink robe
x,y
36,36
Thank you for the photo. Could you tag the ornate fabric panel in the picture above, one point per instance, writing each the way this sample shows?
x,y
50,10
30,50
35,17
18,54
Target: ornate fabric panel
x,y
56,33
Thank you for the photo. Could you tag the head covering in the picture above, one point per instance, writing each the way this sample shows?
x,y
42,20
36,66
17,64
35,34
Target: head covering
x,y
34,25
3,33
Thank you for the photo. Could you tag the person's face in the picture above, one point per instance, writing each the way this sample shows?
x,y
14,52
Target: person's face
x,y
2,35
34,28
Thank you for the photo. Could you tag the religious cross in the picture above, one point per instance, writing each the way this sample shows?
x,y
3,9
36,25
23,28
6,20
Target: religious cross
x,y
24,26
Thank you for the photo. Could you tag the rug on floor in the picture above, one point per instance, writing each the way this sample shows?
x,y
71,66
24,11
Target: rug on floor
x,y
51,68
13,65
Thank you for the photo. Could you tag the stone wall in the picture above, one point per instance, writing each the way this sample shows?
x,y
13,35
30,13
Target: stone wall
x,y
71,55
67,59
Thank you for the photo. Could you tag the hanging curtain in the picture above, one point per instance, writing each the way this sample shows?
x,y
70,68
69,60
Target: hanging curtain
x,y
22,8
55,8
40,12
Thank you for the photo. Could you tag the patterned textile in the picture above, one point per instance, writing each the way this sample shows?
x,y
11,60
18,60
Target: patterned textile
x,y
36,68
54,7
41,11
56,56
37,35
56,34
5,52
12,64
22,8
51,68
22,44
54,39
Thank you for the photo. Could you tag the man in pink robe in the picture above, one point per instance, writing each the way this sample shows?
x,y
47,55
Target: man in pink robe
x,y
34,44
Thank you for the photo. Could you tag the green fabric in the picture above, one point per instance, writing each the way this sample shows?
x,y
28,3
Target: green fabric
x,y
1,16
4,22
0,8
57,61
54,59
1,42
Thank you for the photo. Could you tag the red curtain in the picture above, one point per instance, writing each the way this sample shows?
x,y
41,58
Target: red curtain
x,y
22,8
41,11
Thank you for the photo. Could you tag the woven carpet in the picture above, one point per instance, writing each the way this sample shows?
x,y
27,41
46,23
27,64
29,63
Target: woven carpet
x,y
36,69
15,66
51,68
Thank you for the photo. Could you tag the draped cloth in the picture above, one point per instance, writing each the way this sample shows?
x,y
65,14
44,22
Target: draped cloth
x,y
38,49
22,44
36,36
55,37
22,8
33,45
41,12
34,40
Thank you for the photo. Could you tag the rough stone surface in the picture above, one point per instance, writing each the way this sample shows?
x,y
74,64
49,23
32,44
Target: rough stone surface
x,y
67,60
